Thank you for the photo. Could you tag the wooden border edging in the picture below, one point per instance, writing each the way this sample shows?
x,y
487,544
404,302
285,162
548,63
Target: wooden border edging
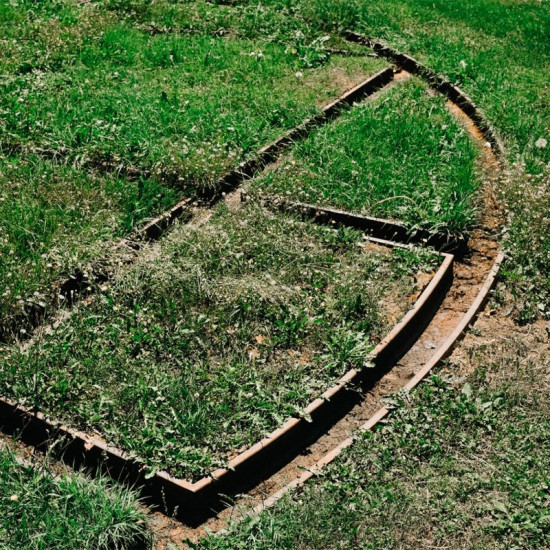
x,y
389,230
195,501
447,88
442,353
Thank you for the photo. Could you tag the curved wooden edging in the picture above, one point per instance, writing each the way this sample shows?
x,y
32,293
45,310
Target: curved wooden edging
x,y
193,501
441,353
253,463
442,85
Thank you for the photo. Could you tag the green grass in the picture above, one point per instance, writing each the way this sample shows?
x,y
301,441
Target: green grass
x,y
459,464
401,156
105,99
486,47
463,467
40,510
527,272
54,219
498,51
185,107
279,21
216,337
495,50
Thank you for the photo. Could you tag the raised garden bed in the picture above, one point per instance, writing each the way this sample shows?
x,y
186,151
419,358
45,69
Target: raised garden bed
x,y
400,156
224,331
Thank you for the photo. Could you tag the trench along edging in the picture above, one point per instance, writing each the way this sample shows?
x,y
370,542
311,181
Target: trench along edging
x,y
441,353
474,113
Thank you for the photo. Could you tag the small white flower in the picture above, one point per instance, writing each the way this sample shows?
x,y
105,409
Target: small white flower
x,y
541,143
463,63
299,74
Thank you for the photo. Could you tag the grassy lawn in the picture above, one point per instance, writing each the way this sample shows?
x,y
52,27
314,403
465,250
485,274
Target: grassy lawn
x,y
84,82
497,51
42,510
401,156
55,218
485,46
221,331
216,337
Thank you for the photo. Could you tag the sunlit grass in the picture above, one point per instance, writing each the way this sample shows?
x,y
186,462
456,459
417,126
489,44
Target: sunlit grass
x,y
401,156
104,124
